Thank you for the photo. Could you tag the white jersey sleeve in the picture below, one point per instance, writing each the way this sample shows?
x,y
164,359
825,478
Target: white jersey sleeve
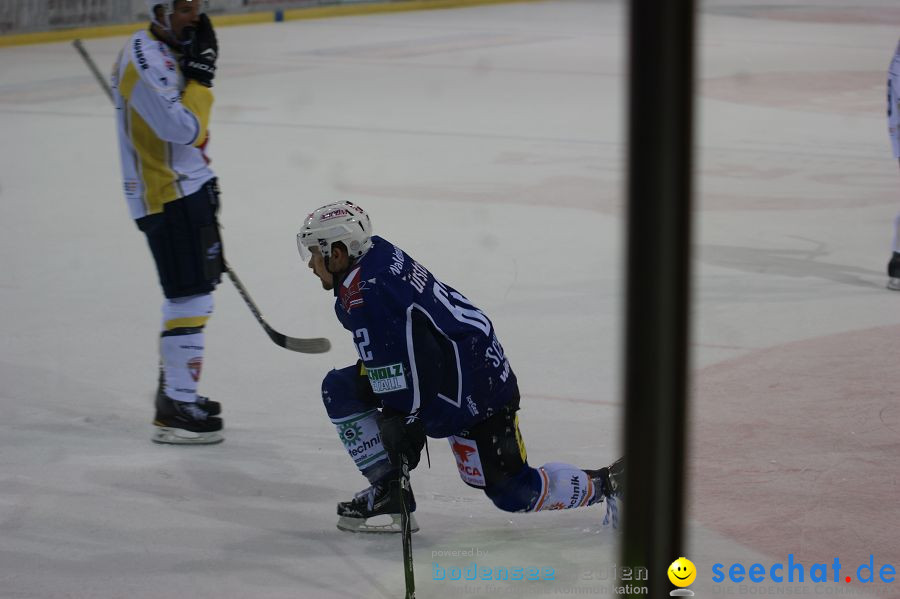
x,y
893,101
162,122
158,99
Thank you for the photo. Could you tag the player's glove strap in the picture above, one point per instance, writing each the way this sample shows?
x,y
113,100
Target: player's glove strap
x,y
403,435
200,70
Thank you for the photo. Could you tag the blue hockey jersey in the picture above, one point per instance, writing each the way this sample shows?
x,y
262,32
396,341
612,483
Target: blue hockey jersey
x,y
425,347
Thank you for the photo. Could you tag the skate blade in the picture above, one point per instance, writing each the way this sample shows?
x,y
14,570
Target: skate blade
x,y
894,283
376,524
179,436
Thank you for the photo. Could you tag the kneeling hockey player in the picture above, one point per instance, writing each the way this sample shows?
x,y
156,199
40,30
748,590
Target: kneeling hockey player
x,y
430,364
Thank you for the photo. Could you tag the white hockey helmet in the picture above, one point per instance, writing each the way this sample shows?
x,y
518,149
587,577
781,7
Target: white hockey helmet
x,y
342,221
168,9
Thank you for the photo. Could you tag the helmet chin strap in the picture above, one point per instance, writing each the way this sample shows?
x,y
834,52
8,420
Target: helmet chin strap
x,y
327,260
338,276
166,24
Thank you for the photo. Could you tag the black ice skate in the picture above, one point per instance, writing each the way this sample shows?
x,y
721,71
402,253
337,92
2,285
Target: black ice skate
x,y
894,272
376,509
608,482
185,423
213,408
609,485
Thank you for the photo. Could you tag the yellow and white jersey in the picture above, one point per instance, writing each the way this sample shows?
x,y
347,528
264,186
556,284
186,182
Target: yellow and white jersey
x,y
162,122
893,98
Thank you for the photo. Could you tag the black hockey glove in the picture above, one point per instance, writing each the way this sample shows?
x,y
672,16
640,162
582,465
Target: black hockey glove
x,y
200,52
403,435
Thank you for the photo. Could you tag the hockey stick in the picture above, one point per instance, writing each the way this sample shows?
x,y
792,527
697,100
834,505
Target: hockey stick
x,y
315,345
406,530
93,68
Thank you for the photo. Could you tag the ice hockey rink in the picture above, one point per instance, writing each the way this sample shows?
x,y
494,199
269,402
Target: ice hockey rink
x,y
489,143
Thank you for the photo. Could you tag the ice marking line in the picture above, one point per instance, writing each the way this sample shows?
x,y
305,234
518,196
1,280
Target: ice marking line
x,y
808,153
433,45
578,400
346,128
717,346
865,15
466,68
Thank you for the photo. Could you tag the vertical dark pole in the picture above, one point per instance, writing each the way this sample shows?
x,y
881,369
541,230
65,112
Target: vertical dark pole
x,y
660,145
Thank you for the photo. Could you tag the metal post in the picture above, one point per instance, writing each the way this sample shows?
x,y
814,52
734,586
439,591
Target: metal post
x,y
658,284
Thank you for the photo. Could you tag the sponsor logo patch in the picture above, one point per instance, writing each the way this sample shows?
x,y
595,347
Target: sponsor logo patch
x,y
195,365
578,493
397,261
468,462
350,293
385,379
349,433
368,449
336,213
473,407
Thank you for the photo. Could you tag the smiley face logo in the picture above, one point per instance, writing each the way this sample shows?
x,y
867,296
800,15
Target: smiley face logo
x,y
682,572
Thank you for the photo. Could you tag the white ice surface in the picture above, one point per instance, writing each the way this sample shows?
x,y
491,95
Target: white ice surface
x,y
488,142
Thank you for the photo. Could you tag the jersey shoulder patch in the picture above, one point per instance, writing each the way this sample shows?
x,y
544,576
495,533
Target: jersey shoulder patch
x,y
351,290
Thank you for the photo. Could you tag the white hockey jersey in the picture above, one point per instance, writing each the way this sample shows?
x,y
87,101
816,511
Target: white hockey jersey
x,y
162,126
893,99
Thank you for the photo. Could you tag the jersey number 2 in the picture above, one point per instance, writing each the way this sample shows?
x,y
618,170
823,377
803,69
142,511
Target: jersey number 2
x,y
361,338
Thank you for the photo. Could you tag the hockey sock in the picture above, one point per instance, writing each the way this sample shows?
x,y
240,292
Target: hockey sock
x,y
181,344
182,358
361,438
563,487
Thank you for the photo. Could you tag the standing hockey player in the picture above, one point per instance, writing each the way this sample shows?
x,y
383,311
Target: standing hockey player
x,y
163,101
893,116
430,364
